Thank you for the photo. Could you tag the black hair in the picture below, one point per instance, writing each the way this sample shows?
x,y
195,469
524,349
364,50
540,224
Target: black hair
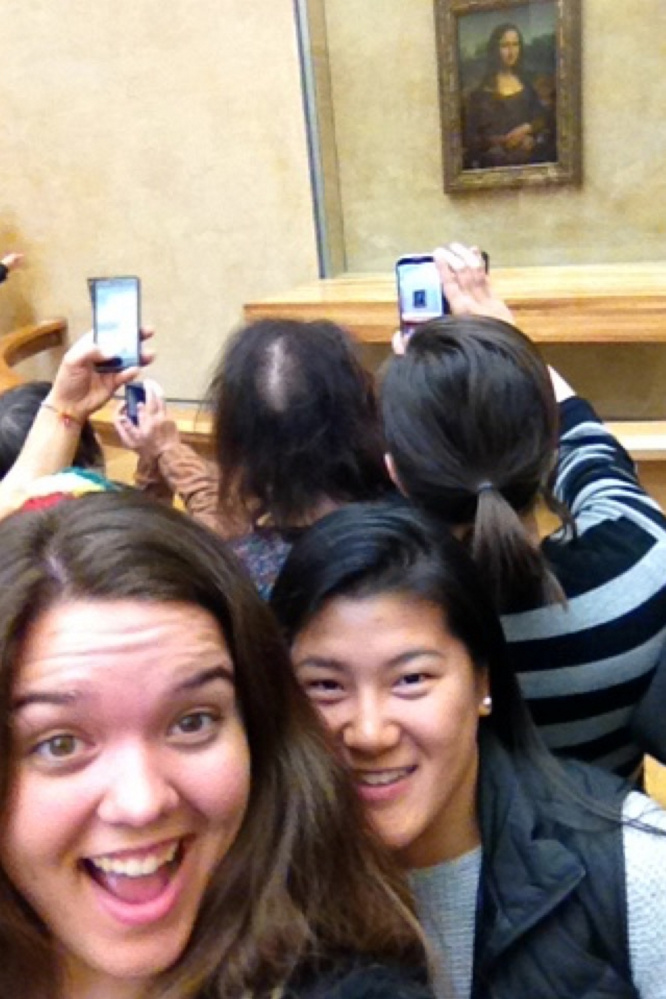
x,y
472,426
295,420
18,408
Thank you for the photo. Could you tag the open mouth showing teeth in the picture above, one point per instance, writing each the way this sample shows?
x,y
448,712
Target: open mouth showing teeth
x,y
136,879
382,778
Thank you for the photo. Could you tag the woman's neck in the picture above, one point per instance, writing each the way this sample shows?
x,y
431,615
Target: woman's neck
x,y
507,83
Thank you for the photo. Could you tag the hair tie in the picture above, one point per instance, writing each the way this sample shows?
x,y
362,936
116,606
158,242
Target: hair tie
x,y
484,487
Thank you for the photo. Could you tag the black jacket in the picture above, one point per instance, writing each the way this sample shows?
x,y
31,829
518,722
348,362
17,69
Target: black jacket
x,y
361,979
552,918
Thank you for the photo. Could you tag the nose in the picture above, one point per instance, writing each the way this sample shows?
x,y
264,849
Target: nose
x,y
370,728
138,790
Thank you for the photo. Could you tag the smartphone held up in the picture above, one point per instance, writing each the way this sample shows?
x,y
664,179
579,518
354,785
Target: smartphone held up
x,y
135,393
420,295
117,320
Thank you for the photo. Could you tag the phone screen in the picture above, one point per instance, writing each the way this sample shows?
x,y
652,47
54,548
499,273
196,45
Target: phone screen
x,y
420,294
135,393
116,320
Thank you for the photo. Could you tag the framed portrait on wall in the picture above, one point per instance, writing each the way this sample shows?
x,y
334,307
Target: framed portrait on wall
x,y
509,82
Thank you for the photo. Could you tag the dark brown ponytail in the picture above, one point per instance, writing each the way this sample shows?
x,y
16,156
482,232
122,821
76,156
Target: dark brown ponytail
x,y
471,422
513,564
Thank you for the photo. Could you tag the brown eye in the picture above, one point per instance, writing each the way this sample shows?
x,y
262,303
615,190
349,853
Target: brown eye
x,y
196,726
58,747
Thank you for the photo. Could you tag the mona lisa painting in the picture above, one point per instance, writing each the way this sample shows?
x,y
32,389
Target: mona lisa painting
x,y
510,92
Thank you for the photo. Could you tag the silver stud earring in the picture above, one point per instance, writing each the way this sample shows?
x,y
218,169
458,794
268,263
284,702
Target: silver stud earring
x,y
487,703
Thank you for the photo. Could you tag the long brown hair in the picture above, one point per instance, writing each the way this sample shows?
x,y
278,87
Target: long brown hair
x,y
472,424
304,881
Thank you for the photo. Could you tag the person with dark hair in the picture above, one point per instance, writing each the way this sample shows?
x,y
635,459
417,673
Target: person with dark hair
x,y
505,123
175,823
296,434
18,408
479,432
532,878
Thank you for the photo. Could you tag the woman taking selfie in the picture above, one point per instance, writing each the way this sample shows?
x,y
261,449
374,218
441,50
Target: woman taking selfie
x,y
480,433
173,822
531,879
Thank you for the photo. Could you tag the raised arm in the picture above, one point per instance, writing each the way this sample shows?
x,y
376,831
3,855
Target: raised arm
x,y
78,391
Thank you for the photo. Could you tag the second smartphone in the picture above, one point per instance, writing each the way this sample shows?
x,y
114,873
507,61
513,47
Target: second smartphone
x,y
420,295
116,305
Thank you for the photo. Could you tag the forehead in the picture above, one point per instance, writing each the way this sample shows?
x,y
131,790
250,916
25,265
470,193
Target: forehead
x,y
117,641
380,626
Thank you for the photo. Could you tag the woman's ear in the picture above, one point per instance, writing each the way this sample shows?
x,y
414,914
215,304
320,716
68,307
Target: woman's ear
x,y
393,472
483,693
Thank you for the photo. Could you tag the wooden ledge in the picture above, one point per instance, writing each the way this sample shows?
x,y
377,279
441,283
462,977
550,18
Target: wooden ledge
x,y
25,342
645,440
601,303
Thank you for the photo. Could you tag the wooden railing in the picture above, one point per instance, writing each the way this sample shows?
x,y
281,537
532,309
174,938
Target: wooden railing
x,y
26,342
594,303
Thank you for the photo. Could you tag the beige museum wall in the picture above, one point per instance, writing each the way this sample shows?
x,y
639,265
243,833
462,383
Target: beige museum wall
x,y
383,72
384,82
162,139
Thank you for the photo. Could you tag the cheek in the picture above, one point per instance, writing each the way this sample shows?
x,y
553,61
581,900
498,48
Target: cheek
x,y
334,716
451,721
219,785
45,819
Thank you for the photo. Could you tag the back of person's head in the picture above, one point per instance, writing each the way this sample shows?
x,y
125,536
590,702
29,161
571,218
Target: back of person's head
x,y
377,549
303,879
471,424
295,420
18,408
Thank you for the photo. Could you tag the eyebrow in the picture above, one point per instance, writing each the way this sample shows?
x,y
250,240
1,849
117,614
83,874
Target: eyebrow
x,y
68,697
207,676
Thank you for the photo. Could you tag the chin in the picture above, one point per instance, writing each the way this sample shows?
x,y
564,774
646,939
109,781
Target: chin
x,y
139,961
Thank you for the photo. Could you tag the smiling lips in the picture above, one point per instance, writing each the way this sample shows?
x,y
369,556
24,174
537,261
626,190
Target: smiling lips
x,y
376,786
139,876
382,778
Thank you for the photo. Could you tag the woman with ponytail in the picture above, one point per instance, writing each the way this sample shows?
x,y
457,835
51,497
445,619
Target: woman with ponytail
x,y
479,432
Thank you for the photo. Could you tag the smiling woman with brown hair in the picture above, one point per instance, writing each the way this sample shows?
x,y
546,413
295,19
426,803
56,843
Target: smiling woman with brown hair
x,y
174,822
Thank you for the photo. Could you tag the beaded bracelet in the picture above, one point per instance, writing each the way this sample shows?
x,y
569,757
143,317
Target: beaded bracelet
x,y
67,418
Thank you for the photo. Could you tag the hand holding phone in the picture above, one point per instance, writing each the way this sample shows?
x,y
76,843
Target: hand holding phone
x,y
116,321
463,271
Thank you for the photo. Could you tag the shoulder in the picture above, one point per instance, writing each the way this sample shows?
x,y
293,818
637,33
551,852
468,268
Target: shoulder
x,y
263,553
644,832
363,980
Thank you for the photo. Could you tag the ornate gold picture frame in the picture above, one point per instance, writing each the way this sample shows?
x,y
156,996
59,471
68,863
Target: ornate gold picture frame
x,y
509,83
